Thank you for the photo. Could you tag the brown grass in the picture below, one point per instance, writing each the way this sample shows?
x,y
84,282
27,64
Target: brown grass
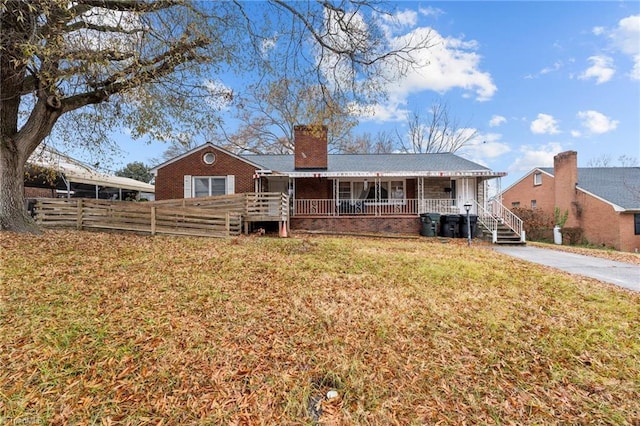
x,y
122,329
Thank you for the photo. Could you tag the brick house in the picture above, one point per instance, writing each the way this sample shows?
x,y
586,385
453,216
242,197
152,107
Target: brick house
x,y
604,202
338,192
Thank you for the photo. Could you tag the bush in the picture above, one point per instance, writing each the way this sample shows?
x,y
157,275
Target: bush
x,y
537,223
572,235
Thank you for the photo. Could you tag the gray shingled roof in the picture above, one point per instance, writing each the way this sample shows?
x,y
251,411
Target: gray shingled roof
x,y
375,163
618,185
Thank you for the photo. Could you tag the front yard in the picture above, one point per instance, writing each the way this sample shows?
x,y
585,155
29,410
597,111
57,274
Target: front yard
x,y
99,328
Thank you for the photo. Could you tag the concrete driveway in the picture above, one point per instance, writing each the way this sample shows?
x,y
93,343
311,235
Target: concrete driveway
x,y
623,274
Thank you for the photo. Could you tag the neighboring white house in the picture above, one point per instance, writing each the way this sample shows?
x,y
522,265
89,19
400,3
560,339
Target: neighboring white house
x,y
72,178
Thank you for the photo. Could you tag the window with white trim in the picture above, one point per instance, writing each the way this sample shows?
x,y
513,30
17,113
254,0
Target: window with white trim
x,y
534,204
366,190
344,190
209,185
205,186
537,178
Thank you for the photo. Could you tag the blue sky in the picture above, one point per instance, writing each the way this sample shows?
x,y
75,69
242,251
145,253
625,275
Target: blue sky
x,y
533,78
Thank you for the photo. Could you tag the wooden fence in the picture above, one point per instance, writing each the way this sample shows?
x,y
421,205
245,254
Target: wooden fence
x,y
220,216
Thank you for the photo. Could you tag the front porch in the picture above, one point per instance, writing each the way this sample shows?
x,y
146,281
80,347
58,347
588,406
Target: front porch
x,y
387,204
400,216
359,207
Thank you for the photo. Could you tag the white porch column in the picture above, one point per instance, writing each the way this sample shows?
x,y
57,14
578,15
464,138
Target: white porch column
x,y
420,195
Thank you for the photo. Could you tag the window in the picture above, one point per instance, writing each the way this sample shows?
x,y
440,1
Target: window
x,y
209,158
636,221
366,190
344,190
537,178
206,186
534,204
515,204
397,190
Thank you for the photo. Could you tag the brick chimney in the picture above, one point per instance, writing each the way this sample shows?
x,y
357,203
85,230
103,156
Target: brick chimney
x,y
310,147
565,172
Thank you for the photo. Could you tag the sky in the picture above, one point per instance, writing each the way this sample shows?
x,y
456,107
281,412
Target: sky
x,y
533,78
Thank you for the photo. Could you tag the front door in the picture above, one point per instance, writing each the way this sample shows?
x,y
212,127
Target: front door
x,y
465,193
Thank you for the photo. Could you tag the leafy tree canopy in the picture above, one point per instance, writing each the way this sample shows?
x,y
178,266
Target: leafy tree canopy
x,y
136,170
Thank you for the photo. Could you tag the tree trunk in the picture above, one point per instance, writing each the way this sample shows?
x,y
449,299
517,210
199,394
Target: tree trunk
x,y
13,212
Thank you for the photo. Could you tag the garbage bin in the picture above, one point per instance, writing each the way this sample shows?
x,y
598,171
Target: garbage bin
x,y
450,225
473,221
430,224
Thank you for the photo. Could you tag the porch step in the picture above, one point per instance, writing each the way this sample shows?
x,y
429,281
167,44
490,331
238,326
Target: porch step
x,y
504,236
507,236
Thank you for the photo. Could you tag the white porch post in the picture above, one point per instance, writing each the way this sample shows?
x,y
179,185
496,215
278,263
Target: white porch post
x,y
420,182
336,196
378,195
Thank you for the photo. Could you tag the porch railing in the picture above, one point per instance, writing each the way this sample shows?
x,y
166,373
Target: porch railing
x,y
496,213
354,207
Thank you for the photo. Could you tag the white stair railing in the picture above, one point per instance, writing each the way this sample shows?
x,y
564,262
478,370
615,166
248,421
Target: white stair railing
x,y
506,217
490,222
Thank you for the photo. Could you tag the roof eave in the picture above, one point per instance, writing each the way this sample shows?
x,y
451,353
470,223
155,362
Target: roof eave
x,y
406,173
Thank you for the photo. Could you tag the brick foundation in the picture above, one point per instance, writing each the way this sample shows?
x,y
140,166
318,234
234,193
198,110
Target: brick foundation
x,y
369,224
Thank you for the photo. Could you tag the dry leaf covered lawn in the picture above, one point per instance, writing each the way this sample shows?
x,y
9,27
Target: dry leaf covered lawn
x,y
100,328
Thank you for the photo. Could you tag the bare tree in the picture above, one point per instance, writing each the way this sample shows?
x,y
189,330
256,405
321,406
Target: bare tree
x,y
365,143
76,70
438,132
269,111
604,160
627,161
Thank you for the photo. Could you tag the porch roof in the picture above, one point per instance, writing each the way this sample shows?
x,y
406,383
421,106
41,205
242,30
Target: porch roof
x,y
363,165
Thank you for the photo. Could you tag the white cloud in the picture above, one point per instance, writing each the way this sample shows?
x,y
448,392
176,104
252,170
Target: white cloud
x,y
220,95
635,72
545,124
540,156
268,44
596,122
626,35
601,69
431,11
450,63
399,21
119,31
555,67
390,112
497,120
485,147
624,38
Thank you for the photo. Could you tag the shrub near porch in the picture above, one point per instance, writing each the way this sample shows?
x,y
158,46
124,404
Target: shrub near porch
x,y
132,329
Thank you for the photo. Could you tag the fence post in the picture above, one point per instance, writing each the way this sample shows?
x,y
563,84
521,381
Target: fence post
x,y
79,214
227,224
153,220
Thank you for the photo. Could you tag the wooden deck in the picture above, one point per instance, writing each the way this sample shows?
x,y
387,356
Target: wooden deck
x,y
221,216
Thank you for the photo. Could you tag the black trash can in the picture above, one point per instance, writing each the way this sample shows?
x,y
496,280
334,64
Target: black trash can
x,y
473,221
429,224
450,225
